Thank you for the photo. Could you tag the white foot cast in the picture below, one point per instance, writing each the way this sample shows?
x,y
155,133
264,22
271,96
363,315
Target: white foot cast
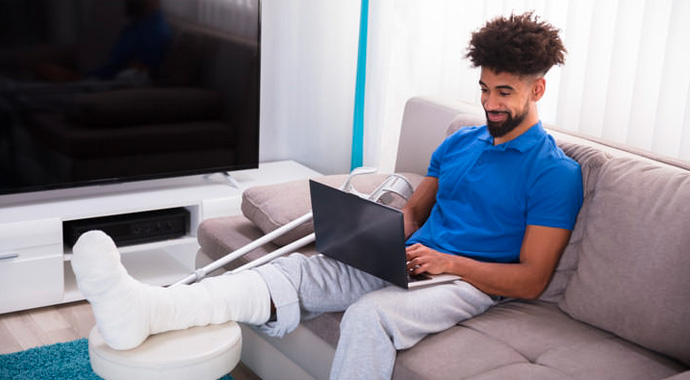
x,y
128,311
118,301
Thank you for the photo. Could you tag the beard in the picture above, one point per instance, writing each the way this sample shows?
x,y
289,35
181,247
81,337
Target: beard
x,y
500,129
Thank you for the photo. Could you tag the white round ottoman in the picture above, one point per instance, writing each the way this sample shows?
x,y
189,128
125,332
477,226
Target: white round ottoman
x,y
199,353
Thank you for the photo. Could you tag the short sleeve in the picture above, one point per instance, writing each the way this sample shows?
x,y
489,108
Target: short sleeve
x,y
556,196
436,160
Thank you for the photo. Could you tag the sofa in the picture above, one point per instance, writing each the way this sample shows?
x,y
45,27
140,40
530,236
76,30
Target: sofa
x,y
617,307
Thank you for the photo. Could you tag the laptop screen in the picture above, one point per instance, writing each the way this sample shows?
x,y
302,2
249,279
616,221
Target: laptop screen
x,y
364,234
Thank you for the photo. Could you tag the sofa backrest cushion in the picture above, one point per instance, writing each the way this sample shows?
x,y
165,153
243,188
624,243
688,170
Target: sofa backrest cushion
x,y
272,206
634,258
590,160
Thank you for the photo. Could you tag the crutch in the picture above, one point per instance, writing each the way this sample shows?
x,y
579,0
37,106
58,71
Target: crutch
x,y
395,183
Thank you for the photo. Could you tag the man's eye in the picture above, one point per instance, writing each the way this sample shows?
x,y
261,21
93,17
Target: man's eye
x,y
483,90
504,93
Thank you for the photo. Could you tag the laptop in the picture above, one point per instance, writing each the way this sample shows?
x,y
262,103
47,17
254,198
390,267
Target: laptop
x,y
364,234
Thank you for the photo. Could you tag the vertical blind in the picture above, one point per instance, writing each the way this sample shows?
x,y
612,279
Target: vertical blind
x,y
626,78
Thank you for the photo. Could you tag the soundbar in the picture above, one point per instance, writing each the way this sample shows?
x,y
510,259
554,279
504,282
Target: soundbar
x,y
135,228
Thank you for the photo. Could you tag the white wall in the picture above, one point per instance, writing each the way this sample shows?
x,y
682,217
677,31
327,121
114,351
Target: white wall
x,y
308,67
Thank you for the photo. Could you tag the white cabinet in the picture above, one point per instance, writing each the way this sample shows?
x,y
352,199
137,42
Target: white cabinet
x,y
35,263
30,263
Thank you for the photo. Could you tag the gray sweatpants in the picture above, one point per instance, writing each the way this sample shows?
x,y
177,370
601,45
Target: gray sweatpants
x,y
379,318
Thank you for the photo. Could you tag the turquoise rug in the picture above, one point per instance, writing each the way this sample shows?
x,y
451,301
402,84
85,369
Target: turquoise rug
x,y
60,361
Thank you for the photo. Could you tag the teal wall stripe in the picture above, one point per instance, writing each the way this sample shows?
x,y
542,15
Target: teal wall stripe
x,y
358,119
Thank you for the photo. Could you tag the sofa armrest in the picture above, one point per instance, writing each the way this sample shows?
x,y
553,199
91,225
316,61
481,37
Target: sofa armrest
x,y
425,125
273,206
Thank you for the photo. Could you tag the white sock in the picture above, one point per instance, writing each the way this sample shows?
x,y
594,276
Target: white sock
x,y
128,311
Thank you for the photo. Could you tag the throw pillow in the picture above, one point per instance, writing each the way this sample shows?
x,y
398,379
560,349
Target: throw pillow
x,y
272,206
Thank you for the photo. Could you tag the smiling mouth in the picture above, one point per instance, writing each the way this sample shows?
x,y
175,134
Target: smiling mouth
x,y
497,115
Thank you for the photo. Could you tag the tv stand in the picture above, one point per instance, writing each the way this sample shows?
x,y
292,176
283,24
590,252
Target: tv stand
x,y
231,180
35,265
228,179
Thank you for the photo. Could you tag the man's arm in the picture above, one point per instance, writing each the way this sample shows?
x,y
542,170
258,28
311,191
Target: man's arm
x,y
539,254
418,208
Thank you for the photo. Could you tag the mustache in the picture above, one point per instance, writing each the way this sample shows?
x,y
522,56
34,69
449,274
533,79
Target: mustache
x,y
497,112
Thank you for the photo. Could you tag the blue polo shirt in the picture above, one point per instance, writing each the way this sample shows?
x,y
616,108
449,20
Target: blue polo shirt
x,y
488,194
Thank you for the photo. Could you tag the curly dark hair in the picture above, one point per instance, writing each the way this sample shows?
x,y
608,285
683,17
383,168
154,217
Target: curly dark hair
x,y
520,45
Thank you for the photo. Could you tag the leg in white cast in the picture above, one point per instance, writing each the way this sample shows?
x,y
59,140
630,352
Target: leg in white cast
x,y
128,311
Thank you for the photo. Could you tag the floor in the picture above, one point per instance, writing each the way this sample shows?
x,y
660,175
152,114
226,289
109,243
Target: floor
x,y
61,323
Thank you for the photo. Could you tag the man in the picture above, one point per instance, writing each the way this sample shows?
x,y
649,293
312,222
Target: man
x,y
496,208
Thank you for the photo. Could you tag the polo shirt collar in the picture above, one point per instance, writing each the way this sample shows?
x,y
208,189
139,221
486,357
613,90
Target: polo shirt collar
x,y
522,143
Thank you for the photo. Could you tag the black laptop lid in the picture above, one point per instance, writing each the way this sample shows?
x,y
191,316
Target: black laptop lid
x,y
358,232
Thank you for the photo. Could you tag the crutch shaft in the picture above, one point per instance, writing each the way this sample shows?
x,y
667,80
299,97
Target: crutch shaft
x,y
290,248
245,249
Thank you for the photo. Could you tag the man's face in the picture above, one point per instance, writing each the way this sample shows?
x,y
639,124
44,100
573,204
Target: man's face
x,y
506,101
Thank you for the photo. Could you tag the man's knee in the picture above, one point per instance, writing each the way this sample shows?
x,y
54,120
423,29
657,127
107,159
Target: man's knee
x,y
364,307
370,310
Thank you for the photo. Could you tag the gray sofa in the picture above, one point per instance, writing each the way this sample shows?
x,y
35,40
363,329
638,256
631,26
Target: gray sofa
x,y
616,308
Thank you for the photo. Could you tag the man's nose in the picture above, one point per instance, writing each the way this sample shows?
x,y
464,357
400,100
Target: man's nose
x,y
491,102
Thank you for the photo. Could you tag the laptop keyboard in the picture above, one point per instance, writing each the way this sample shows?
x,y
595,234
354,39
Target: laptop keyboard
x,y
417,277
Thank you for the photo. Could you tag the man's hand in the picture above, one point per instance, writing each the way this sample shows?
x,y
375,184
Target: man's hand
x,y
421,259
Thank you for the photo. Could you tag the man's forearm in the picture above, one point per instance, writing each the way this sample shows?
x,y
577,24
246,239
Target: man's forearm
x,y
541,249
516,280
410,223
417,209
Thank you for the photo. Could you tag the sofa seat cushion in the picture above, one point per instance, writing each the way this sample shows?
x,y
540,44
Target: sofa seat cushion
x,y
529,340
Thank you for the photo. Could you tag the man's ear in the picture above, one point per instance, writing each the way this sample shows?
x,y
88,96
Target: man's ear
x,y
538,88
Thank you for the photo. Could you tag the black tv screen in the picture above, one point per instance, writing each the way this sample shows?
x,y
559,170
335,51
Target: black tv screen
x,y
96,92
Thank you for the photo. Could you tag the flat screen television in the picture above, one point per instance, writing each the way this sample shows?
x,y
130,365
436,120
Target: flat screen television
x,y
95,92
